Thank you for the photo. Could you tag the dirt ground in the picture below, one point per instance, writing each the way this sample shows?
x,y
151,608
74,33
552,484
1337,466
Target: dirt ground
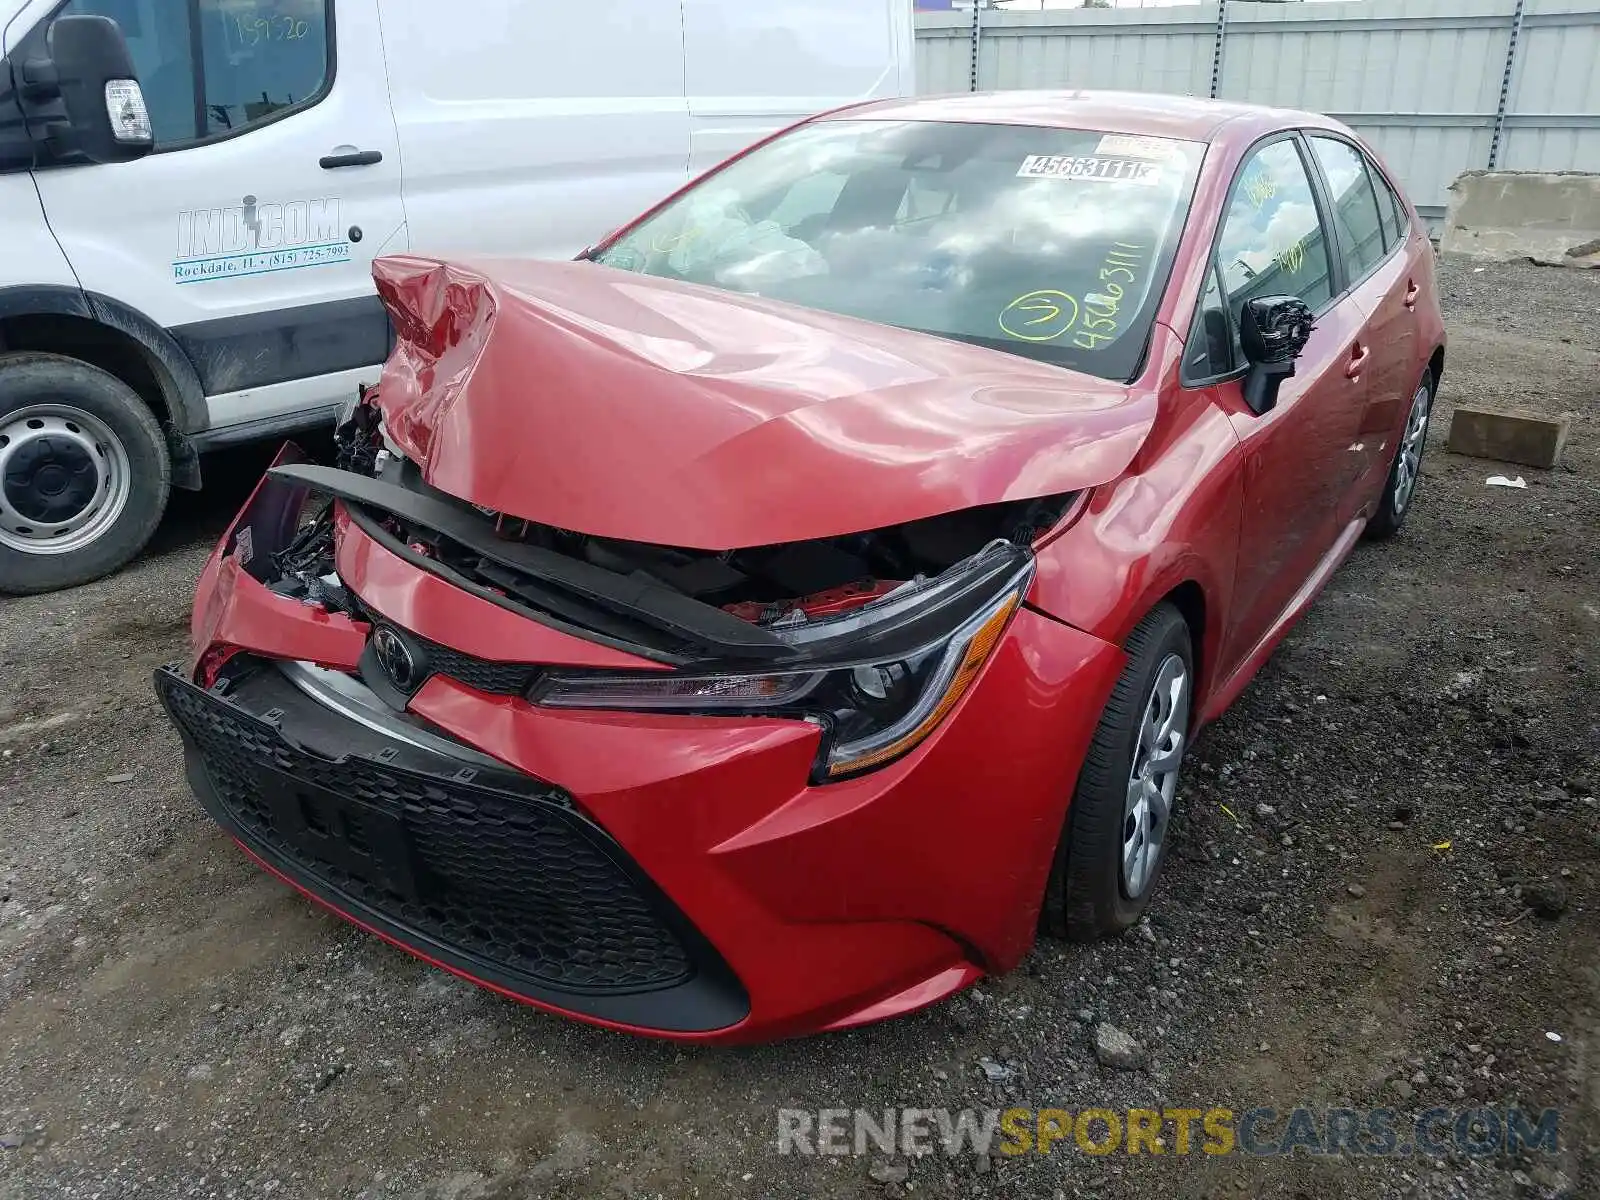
x,y
174,1023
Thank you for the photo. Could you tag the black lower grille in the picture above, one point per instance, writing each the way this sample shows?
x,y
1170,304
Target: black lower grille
x,y
520,881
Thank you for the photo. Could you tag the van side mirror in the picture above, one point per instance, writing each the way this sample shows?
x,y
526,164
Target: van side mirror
x,y
82,97
1273,330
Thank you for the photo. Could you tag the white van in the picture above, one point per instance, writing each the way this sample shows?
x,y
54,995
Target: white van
x,y
185,264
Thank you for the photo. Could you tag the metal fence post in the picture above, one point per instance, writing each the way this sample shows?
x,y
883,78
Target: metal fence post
x,y
1216,49
977,36
1505,87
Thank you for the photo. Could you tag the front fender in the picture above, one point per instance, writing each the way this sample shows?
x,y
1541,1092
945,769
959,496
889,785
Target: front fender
x,y
1173,522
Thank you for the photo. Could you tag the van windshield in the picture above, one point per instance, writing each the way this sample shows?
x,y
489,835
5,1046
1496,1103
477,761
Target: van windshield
x,y
1054,244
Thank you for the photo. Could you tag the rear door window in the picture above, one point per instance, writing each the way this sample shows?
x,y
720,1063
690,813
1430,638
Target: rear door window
x,y
1355,205
1391,209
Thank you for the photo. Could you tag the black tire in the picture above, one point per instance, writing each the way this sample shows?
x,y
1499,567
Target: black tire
x,y
1386,522
28,379
1085,898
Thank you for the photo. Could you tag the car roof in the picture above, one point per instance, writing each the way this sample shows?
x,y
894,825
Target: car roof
x,y
1189,117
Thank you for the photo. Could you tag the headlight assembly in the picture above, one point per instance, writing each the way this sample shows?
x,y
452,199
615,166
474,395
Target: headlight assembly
x,y
878,679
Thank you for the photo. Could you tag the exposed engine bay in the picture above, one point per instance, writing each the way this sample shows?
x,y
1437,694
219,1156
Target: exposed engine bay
x,y
778,585
767,586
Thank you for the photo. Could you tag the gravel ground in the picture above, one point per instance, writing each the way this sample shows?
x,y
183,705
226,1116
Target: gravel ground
x,y
174,1023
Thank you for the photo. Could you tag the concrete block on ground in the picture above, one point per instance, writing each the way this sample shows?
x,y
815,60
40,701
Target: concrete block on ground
x,y
1500,216
1515,437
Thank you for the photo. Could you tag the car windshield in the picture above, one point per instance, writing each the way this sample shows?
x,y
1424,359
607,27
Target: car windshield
x,y
1049,243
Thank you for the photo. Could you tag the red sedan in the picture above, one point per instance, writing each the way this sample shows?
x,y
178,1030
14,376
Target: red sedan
x,y
769,621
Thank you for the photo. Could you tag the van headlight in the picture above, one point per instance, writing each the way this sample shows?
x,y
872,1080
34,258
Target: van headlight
x,y
878,679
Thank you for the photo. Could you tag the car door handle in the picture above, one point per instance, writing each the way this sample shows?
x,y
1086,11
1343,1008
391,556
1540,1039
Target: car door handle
x,y
352,158
1358,359
1412,292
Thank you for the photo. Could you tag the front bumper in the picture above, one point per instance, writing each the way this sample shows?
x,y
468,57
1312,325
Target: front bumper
x,y
759,906
481,869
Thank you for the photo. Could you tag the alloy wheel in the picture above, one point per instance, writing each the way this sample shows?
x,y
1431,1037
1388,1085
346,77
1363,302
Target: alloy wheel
x,y
1153,777
1408,464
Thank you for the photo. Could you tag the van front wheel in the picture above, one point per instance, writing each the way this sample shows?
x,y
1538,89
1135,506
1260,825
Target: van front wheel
x,y
84,473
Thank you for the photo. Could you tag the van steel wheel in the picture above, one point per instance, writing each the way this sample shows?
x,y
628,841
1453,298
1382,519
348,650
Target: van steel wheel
x,y
83,472
64,479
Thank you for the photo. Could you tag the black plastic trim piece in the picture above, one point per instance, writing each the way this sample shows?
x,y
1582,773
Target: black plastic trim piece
x,y
185,394
282,344
180,384
358,158
35,299
266,427
710,999
16,147
644,600
365,522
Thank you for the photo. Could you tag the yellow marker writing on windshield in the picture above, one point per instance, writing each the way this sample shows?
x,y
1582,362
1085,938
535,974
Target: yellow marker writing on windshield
x,y
1040,316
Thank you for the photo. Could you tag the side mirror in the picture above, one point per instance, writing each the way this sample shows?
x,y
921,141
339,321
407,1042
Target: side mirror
x,y
83,95
1272,330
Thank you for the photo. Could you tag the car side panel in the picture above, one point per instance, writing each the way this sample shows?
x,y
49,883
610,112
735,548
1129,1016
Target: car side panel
x,y
1408,334
1299,465
1392,334
1171,519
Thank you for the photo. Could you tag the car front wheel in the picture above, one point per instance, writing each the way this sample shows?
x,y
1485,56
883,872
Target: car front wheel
x,y
1118,828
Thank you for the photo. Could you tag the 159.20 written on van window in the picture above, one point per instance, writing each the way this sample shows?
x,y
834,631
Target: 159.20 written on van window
x,y
252,31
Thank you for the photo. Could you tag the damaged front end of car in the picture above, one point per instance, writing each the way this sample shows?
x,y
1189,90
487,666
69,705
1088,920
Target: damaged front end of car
x,y
631,628
873,637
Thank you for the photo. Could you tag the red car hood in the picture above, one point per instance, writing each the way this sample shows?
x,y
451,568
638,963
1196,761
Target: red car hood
x,y
631,407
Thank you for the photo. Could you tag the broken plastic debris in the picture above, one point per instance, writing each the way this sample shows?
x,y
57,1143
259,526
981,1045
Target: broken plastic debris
x,y
1229,811
1441,847
1502,481
996,1072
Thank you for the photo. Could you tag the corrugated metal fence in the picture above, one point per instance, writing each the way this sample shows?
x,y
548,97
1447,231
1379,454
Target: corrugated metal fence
x,y
1438,86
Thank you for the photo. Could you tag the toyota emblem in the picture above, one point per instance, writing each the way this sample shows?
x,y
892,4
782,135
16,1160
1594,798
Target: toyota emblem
x,y
396,659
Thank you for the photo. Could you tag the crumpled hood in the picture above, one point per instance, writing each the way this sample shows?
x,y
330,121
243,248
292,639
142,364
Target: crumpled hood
x,y
625,406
